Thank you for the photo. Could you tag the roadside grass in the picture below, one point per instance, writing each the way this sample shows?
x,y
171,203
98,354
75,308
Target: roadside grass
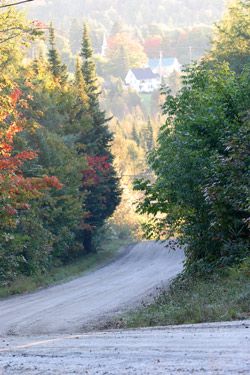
x,y
220,297
64,273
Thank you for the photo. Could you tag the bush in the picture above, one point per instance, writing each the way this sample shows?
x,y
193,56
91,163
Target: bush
x,y
202,164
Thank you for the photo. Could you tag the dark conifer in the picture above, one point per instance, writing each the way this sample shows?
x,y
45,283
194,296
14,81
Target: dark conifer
x,y
80,84
99,136
148,136
103,197
57,68
88,69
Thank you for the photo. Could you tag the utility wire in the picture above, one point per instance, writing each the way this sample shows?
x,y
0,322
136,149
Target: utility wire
x,y
13,4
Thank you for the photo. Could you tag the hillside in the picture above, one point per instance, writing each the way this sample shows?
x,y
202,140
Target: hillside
x,y
174,13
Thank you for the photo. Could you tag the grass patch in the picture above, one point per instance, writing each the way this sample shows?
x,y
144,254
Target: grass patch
x,y
64,273
220,297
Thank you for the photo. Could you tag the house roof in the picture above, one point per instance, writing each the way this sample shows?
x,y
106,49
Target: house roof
x,y
144,73
168,61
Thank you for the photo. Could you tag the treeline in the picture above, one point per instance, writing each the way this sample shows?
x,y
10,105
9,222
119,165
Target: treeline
x,y
168,26
202,162
134,138
133,12
57,180
159,27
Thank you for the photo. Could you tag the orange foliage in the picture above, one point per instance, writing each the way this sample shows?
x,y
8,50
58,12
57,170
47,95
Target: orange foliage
x,y
133,48
16,190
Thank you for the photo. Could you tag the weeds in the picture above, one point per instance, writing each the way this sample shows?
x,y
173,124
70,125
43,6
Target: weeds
x,y
223,296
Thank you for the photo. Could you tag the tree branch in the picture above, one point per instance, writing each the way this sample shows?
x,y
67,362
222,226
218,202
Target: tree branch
x,y
13,4
9,38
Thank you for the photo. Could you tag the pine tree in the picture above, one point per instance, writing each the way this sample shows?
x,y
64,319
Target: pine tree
x,y
135,135
148,136
88,69
102,192
99,136
120,63
57,68
80,84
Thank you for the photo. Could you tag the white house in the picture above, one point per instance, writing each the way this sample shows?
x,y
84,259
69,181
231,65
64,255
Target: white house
x,y
165,66
143,80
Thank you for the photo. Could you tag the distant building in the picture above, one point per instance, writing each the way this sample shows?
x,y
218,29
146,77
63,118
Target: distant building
x,y
165,66
143,80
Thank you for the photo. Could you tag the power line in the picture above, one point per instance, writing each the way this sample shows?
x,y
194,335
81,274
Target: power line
x,y
13,4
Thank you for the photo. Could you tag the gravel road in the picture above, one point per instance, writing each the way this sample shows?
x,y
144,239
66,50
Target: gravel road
x,y
215,349
43,333
77,305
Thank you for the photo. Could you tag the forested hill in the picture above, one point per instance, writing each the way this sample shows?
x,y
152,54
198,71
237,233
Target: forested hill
x,y
175,13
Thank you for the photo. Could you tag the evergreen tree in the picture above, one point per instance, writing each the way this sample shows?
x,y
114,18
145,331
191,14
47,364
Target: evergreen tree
x,y
147,135
99,137
135,135
57,68
80,83
120,63
102,192
88,69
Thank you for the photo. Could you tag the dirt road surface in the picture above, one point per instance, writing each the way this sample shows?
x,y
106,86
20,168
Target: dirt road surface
x,y
43,333
75,306
215,349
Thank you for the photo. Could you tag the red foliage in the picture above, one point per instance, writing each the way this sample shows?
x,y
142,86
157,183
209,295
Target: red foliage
x,y
97,168
152,46
15,95
40,25
16,190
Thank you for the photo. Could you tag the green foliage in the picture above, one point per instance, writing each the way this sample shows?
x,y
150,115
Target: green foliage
x,y
201,165
88,69
61,211
231,41
119,63
65,127
220,297
102,195
58,70
147,136
62,273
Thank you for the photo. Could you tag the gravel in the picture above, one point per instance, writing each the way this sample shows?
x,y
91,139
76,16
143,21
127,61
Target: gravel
x,y
202,349
49,332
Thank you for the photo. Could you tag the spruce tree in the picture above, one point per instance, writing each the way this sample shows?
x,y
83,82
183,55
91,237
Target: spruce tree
x,y
99,136
80,84
88,69
103,195
57,68
135,135
148,136
120,63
